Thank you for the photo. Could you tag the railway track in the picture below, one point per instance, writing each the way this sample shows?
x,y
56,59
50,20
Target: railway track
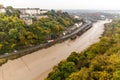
x,y
79,31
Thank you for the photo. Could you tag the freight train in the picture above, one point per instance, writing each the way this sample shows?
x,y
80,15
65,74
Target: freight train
x,y
74,33
81,30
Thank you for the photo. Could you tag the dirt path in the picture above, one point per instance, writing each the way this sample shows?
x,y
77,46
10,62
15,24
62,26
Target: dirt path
x,y
37,65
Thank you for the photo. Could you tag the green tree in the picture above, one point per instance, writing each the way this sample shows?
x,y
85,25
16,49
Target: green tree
x,y
83,74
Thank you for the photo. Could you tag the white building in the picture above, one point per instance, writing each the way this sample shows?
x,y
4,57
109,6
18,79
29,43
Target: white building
x,y
76,17
2,10
28,21
42,16
28,13
43,11
26,18
24,15
32,11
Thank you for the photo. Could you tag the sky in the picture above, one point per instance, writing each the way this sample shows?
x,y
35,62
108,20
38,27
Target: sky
x,y
64,4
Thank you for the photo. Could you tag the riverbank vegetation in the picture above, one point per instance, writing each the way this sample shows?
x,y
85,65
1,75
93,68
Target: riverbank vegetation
x,y
101,61
16,35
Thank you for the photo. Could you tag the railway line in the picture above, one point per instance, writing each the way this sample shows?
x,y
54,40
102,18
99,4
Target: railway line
x,y
79,31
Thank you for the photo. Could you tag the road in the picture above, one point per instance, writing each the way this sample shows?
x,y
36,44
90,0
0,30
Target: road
x,y
37,65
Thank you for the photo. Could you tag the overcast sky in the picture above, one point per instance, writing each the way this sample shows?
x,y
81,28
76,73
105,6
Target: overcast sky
x,y
64,4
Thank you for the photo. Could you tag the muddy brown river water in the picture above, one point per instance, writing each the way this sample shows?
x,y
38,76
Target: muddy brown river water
x,y
37,65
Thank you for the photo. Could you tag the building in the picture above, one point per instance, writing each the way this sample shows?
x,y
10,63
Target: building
x,y
43,11
42,16
2,10
76,17
24,15
32,11
28,13
26,18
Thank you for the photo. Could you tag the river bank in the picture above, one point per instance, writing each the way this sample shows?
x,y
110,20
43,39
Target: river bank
x,y
19,53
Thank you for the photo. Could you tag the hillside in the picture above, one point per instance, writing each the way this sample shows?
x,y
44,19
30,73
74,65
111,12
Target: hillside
x,y
15,34
101,61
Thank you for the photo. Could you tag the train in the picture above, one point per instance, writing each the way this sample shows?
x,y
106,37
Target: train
x,y
81,30
73,33
87,27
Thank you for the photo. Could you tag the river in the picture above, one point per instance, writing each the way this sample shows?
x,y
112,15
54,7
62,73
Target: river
x,y
37,65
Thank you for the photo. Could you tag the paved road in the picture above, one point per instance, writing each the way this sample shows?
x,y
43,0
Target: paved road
x,y
37,65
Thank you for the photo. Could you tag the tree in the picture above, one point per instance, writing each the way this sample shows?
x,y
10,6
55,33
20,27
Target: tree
x,y
11,11
116,75
62,71
83,74
74,57
1,46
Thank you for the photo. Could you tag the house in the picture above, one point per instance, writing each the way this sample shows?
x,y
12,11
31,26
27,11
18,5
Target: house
x,y
2,10
42,16
76,17
24,15
26,18
43,11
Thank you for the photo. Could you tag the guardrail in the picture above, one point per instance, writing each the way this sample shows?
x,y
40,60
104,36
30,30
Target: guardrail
x,y
41,46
